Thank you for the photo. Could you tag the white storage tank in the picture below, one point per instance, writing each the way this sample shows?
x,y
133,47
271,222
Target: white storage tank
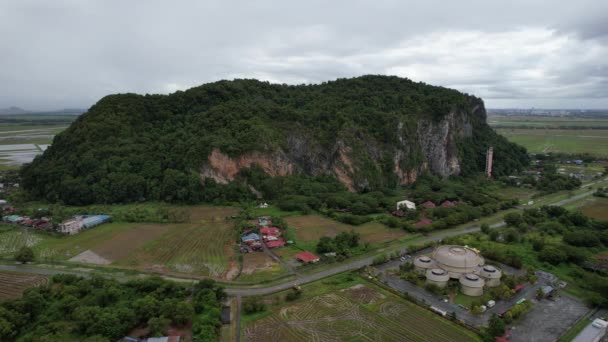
x,y
471,285
491,275
438,277
423,263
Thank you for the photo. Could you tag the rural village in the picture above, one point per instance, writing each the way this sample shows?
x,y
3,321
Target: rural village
x,y
455,282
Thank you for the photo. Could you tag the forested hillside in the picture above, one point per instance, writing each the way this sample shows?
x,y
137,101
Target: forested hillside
x,y
368,133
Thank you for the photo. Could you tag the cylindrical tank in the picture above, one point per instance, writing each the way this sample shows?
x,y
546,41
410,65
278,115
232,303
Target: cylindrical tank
x,y
438,277
491,275
423,263
471,285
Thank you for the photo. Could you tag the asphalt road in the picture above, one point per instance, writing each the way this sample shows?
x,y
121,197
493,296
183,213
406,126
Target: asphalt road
x,y
301,279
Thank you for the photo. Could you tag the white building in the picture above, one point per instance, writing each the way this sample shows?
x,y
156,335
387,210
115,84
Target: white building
x,y
405,204
71,226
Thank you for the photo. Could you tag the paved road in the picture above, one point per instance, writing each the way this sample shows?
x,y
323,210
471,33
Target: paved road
x,y
302,279
572,199
239,304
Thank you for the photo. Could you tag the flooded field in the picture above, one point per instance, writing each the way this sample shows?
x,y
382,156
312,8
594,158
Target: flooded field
x,y
20,143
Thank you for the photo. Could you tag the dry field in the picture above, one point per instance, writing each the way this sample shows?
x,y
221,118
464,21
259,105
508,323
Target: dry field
x,y
358,313
592,206
596,208
310,228
12,284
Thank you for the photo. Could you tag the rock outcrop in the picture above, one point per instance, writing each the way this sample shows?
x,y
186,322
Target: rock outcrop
x,y
432,147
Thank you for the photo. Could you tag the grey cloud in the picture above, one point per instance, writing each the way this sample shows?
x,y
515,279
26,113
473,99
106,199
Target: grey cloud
x,y
68,53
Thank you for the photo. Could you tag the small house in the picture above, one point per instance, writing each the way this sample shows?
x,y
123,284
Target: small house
x,y
448,204
276,243
71,226
405,204
429,205
264,221
164,339
307,257
250,238
423,222
263,205
398,213
13,219
27,222
547,290
270,231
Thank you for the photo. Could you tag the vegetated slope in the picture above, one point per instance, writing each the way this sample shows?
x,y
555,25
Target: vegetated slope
x,y
369,133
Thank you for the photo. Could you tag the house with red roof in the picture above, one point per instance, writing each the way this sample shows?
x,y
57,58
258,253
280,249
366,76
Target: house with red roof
x,y
307,257
273,231
448,204
429,205
276,243
423,222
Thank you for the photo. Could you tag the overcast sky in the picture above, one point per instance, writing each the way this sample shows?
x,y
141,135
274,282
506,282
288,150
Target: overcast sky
x,y
57,54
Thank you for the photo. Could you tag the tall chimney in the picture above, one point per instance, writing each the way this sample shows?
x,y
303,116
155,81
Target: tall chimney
x,y
489,156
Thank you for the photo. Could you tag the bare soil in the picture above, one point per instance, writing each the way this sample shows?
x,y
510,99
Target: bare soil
x,y
256,261
121,245
90,257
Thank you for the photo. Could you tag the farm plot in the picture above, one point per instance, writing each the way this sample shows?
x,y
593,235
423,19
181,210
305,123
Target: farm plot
x,y
66,247
359,313
15,238
204,248
310,228
596,208
12,284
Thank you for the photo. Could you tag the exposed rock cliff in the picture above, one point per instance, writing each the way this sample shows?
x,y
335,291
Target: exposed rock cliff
x,y
432,147
370,132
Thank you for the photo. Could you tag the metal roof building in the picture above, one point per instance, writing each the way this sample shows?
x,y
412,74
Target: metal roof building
x,y
457,260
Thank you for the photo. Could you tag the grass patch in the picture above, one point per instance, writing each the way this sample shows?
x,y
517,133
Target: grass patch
x,y
310,228
576,329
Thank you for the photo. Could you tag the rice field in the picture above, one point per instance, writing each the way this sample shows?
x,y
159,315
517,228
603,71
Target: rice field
x,y
23,137
361,312
13,239
542,134
12,284
592,141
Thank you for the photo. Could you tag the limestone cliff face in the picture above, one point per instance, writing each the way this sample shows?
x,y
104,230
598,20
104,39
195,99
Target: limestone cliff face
x,y
427,146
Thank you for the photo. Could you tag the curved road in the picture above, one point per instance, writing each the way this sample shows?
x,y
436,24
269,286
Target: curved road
x,y
301,279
